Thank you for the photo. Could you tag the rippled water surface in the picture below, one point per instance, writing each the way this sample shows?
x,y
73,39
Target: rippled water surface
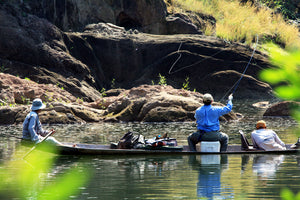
x,y
174,177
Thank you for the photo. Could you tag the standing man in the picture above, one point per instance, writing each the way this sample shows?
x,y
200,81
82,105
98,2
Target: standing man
x,y
208,125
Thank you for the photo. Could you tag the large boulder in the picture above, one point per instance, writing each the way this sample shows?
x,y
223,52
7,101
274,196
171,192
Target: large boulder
x,y
62,106
282,108
54,113
148,103
15,90
155,103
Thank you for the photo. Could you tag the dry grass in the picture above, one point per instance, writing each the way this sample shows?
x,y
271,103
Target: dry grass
x,y
236,22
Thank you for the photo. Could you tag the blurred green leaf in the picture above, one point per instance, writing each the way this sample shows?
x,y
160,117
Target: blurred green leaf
x,y
272,76
65,186
287,74
287,194
28,178
288,92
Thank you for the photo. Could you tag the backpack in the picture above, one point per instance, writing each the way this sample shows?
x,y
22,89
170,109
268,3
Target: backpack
x,y
129,141
125,141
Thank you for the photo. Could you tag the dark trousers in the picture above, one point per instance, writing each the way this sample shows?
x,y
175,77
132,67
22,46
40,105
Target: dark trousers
x,y
199,136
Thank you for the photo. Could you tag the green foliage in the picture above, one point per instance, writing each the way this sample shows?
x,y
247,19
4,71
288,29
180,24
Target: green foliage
x,y
79,100
287,77
58,85
286,194
28,79
28,179
241,22
287,73
25,100
3,68
186,83
162,80
113,83
103,92
286,7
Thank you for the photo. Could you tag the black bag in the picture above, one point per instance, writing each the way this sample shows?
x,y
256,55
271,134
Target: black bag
x,y
126,141
129,140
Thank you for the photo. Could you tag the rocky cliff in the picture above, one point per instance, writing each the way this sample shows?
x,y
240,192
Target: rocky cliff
x,y
85,47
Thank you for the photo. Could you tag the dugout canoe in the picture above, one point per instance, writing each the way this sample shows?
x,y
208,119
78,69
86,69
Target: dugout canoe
x,y
93,149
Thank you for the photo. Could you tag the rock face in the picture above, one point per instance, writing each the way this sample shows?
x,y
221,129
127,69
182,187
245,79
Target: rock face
x,y
74,54
15,90
148,16
148,103
281,109
105,55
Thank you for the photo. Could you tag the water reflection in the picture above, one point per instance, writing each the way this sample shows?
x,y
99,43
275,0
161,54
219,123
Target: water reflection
x,y
209,170
131,177
264,166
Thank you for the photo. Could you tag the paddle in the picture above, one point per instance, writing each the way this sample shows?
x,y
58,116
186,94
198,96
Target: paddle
x,y
50,133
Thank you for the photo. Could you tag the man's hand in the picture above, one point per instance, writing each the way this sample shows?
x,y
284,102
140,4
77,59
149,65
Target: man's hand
x,y
53,131
230,97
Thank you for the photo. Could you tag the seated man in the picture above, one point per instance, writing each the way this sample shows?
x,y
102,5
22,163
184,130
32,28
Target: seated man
x,y
208,125
32,128
266,139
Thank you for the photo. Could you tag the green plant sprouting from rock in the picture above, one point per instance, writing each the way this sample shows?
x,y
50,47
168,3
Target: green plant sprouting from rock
x,y
186,83
3,69
103,92
113,83
162,80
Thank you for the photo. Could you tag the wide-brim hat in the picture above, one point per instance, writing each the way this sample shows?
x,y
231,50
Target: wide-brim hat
x,y
37,104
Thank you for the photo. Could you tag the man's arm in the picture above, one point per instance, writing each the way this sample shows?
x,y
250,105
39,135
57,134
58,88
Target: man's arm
x,y
31,125
278,140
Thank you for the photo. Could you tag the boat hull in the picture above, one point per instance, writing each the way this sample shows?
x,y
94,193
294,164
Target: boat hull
x,y
91,149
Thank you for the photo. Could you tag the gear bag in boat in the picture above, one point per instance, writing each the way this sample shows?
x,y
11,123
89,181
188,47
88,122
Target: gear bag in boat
x,y
129,141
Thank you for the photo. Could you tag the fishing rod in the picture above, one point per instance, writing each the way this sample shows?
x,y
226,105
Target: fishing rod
x,y
191,65
49,134
235,86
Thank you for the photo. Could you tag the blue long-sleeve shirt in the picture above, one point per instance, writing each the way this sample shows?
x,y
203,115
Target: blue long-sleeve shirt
x,y
207,116
32,127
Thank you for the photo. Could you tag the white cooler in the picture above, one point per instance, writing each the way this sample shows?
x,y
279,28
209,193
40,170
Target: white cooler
x,y
210,146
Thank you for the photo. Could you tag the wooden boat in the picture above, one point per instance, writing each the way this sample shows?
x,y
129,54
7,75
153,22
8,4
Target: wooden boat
x,y
92,149
95,149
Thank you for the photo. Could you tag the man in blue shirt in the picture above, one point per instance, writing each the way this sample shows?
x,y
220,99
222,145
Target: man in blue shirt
x,y
32,128
208,125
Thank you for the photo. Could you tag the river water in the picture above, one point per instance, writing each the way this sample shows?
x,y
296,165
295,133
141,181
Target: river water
x,y
173,177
